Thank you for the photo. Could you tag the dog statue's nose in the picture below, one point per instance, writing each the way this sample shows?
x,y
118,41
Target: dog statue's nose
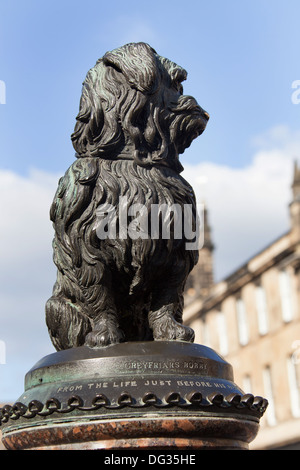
x,y
206,115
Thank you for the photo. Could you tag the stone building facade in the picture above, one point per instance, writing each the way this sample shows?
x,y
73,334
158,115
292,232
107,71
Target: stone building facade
x,y
252,318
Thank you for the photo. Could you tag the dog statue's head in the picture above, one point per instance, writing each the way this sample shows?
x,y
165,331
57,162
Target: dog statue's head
x,y
132,107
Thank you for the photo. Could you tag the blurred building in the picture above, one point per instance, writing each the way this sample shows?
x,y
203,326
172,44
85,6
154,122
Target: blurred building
x,y
252,318
1,445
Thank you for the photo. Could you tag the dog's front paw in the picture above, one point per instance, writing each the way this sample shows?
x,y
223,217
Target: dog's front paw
x,y
103,337
168,329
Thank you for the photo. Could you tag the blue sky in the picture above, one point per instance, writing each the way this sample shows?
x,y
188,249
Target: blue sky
x,y
242,58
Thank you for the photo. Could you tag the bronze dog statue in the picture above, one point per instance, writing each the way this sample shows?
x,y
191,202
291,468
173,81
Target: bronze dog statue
x,y
133,123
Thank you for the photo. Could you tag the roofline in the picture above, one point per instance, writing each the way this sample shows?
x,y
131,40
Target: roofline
x,y
244,265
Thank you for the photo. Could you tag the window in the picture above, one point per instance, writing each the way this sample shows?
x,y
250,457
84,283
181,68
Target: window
x,y
222,332
268,387
242,322
285,287
205,332
262,312
293,368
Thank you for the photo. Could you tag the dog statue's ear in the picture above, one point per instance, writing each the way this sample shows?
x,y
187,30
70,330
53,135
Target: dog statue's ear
x,y
138,64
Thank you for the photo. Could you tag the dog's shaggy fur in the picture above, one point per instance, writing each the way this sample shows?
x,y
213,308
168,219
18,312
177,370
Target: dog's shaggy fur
x,y
132,124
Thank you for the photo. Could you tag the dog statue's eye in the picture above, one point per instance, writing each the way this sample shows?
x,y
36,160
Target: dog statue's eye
x,y
178,87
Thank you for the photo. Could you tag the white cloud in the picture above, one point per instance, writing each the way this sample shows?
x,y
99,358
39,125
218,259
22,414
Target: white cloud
x,y
24,223
280,137
248,207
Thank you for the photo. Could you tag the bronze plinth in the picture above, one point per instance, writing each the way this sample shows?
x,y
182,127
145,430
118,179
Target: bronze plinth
x,y
143,395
